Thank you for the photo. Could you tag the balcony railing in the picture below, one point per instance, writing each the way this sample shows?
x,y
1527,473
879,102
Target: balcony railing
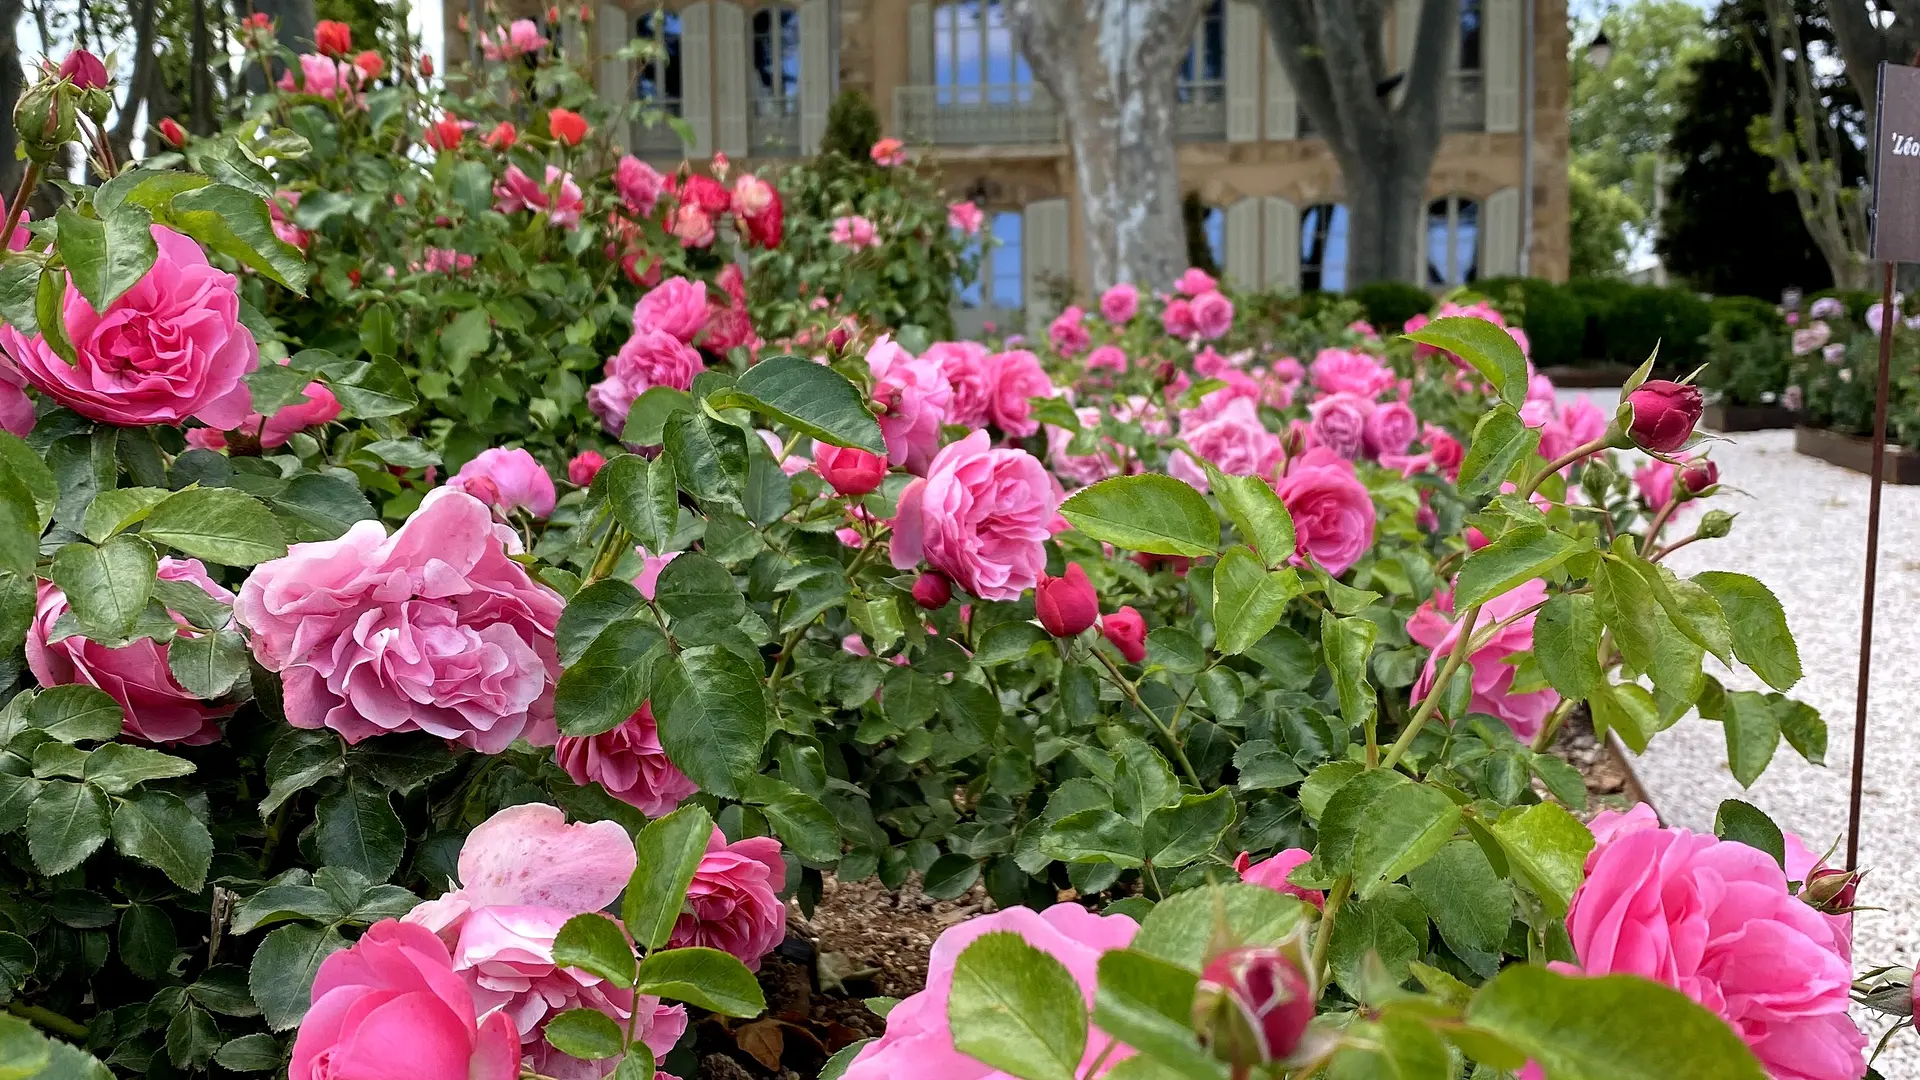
x,y
1465,108
976,115
655,137
1200,111
773,127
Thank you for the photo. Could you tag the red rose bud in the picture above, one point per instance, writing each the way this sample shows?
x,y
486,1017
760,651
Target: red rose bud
x,y
1128,633
584,467
445,133
849,471
426,65
260,20
333,38
1251,1006
171,131
932,591
354,276
503,136
1831,889
84,70
370,64
567,126
1067,604
1664,414
553,13
1700,476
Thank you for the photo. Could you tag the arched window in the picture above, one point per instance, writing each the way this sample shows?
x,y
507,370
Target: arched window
x,y
1469,35
1323,248
1214,226
776,53
974,59
658,82
1203,74
1453,241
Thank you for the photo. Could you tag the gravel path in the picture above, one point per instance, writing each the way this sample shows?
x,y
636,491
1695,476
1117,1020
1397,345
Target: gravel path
x,y
1802,530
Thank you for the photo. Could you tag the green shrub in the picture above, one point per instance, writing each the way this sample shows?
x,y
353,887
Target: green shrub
x,y
1389,304
1626,322
852,126
1749,360
1856,300
1554,319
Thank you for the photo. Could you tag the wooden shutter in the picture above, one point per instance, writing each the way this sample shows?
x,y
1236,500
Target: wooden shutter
x,y
1500,237
816,72
1500,62
1242,237
1283,108
1281,262
729,78
920,43
1243,71
613,76
1048,256
696,75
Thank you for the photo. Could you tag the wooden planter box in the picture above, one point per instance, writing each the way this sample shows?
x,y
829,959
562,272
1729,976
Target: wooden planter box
x,y
1724,418
1856,453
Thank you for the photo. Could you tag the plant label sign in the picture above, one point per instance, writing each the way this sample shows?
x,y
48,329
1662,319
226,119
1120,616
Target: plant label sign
x,y
1896,165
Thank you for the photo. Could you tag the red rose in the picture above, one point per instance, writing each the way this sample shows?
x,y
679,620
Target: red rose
x,y
84,70
503,136
932,590
706,193
1128,633
333,38
567,126
1067,604
370,64
850,471
445,133
171,131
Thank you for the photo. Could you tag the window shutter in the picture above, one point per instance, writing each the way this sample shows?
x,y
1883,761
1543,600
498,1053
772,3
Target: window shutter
x,y
729,78
696,80
816,72
1243,243
920,43
1283,108
613,76
1243,71
1500,233
1500,63
1282,235
1047,258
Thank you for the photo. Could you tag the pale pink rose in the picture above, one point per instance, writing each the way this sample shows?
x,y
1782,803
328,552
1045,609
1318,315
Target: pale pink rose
x,y
283,203
1827,307
1332,510
323,76
676,307
1343,371
517,40
965,217
520,482
432,629
912,396
981,516
652,358
529,856
1177,319
1273,872
1433,625
918,1042
650,566
1233,439
732,904
1340,423
1836,354
1212,315
1014,379
1107,358
1390,429
1066,334
855,645
693,225
1196,281
611,399
638,184
1577,423
391,1005
1120,304
1082,469
448,261
790,464
1713,919
157,708
318,407
170,348
854,232
966,368
1655,480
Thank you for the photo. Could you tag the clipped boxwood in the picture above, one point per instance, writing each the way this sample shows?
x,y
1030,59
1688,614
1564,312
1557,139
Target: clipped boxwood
x,y
1748,361
1390,304
1554,318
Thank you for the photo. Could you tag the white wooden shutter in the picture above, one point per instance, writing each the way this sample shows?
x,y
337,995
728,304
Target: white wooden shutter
x,y
1047,257
1500,62
613,76
1500,233
729,79
1283,108
696,75
1243,71
1281,221
1242,241
920,43
816,72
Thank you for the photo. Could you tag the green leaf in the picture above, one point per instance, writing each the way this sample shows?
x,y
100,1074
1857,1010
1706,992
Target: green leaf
x,y
1247,599
235,223
1183,928
712,710
320,507
379,387
1489,348
17,961
644,497
120,509
610,681
258,1052
66,823
75,713
1347,643
950,876
693,588
1625,708
117,767
1007,642
1142,781
208,665
706,978
1547,847
808,397
1521,554
591,611
1017,1009
709,458
33,474
147,940
106,258
638,1064
222,525
1147,1003
1150,512
281,978
157,828
1566,643
801,821
466,337
1177,835
108,586
585,1033
1805,731
279,903
1572,1026
356,828
669,849
1468,901
49,301
1345,816
24,1052
593,943
1094,835
1758,624
1390,925
1753,734
647,419
20,276
1500,440
1627,606
1256,512
1405,826
1746,823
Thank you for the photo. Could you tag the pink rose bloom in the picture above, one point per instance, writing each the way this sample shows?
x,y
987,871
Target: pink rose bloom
x,y
653,358
1332,510
1340,423
732,904
584,467
1014,379
854,233
980,516
528,856
1579,422
560,197
692,225
391,1005
432,629
1177,319
1081,469
854,644
1065,333
1107,358
322,75
965,216
1342,371
676,307
1212,315
1196,281
1287,369
1208,363
1273,872
279,207
918,1043
519,480
611,399
968,371
1713,919
170,348
16,408
629,763
1390,429
650,566
1240,386
317,408
158,709
912,396
448,261
1233,439
517,40
1433,626
1655,480
1120,304
638,184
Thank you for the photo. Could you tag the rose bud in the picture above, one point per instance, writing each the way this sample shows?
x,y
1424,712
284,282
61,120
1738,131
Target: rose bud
x,y
1715,524
1664,414
584,467
1128,633
370,64
503,136
426,65
171,131
333,38
1251,1006
932,591
1831,889
1067,604
848,470
84,70
1700,476
567,126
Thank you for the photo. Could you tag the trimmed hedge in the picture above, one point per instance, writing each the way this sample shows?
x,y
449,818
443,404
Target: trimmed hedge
x,y
1750,360
1389,304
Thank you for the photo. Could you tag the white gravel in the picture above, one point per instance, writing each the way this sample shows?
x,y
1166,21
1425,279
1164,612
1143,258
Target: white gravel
x,y
1802,530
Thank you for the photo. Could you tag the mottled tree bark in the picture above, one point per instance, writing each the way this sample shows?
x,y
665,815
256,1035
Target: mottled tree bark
x,y
1110,66
139,83
1334,53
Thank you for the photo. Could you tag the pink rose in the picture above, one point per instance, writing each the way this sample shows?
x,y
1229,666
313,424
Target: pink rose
x,y
648,359
1120,304
1492,673
629,763
1273,872
391,1006
1390,429
638,184
1067,335
912,396
967,370
888,152
317,408
1713,919
1177,319
854,233
433,629
517,40
731,905
528,856
650,566
323,75
1014,380
1340,423
981,516
1579,422
1342,371
1212,315
520,482
965,217
158,709
676,307
1233,439
611,399
918,1043
169,348
1082,469
1446,451
560,197
1196,281
1107,358
1655,480
584,467
692,225
1332,511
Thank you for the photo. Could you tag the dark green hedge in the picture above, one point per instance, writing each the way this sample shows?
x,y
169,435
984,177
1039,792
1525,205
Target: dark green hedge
x,y
1598,321
1389,304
